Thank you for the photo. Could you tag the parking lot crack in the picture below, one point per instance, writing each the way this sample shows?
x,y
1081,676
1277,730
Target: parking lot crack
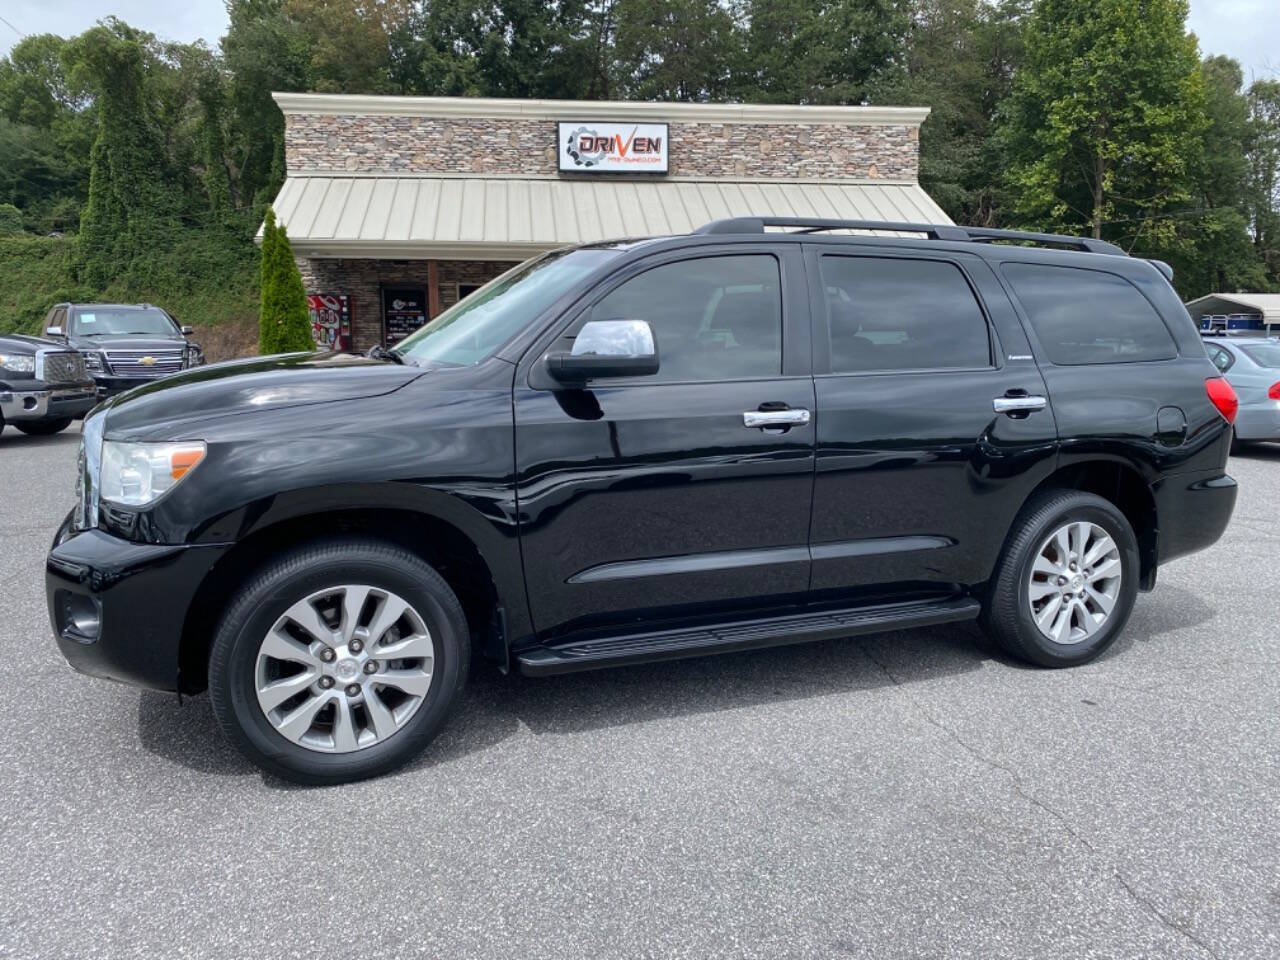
x,y
1148,906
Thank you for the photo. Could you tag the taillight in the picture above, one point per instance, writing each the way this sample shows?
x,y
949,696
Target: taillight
x,y
1223,397
1274,392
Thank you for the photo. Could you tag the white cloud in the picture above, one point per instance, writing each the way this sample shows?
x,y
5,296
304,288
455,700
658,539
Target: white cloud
x,y
1248,30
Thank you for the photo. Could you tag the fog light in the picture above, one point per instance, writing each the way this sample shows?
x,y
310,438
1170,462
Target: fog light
x,y
79,617
28,403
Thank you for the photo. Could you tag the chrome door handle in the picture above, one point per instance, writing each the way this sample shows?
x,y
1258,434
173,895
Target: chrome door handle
x,y
775,418
1018,404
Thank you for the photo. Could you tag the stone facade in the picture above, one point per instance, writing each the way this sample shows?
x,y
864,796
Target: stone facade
x,y
362,281
406,137
511,147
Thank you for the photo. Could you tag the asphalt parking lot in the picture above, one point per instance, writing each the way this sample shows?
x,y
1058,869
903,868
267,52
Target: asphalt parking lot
x,y
907,795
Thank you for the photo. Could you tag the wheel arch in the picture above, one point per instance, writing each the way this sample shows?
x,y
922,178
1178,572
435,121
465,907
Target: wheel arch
x,y
1123,485
480,574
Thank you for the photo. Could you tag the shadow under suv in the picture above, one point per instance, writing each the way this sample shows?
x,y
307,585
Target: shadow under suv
x,y
124,345
769,431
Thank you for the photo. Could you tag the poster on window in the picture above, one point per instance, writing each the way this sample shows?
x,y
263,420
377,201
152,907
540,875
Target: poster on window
x,y
330,320
404,310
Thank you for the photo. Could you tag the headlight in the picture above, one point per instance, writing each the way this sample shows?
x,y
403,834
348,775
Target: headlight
x,y
17,363
194,357
93,360
136,474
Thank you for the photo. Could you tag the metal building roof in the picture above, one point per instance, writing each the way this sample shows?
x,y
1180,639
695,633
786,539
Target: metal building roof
x,y
492,218
1266,304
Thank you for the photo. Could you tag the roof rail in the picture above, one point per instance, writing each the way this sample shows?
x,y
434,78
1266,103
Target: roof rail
x,y
934,231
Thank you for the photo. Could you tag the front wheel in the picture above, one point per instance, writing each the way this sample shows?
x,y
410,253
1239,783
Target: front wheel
x,y
43,428
1066,581
341,660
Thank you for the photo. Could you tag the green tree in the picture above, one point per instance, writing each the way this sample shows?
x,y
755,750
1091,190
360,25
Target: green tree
x,y
132,202
674,50
832,51
1262,181
284,324
960,60
10,219
1104,122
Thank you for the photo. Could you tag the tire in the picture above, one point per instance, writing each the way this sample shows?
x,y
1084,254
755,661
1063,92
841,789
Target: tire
x,y
242,664
44,428
1009,615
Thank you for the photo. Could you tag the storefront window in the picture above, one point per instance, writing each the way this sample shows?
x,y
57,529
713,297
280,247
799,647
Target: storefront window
x,y
475,327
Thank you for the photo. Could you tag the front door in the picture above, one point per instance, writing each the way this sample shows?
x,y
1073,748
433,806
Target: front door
x,y
653,498
918,476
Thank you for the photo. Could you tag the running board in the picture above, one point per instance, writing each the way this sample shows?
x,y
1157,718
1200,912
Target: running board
x,y
741,635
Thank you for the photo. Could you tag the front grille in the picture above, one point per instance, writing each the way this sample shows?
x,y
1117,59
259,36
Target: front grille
x,y
134,363
63,367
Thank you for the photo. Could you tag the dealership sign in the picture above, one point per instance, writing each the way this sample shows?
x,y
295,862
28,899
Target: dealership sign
x,y
613,148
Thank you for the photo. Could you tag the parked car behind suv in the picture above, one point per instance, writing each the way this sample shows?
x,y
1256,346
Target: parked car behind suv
x,y
43,385
1252,366
124,344
645,450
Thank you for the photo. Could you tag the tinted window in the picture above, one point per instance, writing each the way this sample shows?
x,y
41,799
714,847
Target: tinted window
x,y
714,318
1263,354
1086,316
890,314
1221,358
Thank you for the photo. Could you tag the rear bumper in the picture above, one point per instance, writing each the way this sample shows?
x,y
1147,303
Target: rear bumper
x,y
47,401
1259,421
1193,511
118,608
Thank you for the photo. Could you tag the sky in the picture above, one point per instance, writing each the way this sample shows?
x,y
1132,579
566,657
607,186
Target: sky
x,y
1248,30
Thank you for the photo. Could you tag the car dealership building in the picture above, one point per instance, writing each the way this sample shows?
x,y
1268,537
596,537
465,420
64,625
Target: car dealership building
x,y
399,206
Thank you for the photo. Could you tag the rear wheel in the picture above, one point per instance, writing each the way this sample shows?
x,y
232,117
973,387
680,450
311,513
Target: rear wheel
x,y
43,428
1066,581
339,661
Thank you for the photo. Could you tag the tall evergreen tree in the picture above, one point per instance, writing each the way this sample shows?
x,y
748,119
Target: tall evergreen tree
x,y
284,324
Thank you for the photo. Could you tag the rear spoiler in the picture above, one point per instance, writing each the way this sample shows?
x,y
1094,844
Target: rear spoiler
x,y
1166,271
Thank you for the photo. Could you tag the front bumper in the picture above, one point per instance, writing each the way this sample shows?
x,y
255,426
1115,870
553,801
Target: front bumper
x,y
109,386
38,400
1193,510
118,608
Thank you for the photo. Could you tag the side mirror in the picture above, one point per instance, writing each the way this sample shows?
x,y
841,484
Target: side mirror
x,y
606,348
53,332
187,330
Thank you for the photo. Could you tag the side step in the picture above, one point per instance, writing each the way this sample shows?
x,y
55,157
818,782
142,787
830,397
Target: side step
x,y
741,635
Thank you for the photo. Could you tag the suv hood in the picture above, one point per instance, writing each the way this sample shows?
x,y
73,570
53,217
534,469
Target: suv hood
x,y
122,342
25,345
245,386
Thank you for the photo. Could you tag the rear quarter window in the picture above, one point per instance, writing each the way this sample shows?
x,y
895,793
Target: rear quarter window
x,y
1085,316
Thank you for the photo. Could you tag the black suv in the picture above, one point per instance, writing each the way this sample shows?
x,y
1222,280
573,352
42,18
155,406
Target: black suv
x,y
124,344
43,385
643,450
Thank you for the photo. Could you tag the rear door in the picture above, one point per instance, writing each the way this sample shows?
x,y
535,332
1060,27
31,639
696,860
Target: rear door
x,y
918,476
654,498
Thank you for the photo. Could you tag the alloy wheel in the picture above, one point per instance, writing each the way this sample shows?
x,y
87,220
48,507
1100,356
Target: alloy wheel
x,y
1074,582
344,668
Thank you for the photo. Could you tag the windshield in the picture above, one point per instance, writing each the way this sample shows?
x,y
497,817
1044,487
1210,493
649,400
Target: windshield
x,y
97,322
472,329
1263,354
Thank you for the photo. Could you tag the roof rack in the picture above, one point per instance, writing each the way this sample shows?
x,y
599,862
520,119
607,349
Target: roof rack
x,y
934,231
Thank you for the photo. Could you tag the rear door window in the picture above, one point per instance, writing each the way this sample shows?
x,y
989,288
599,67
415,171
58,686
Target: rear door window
x,y
1085,316
1221,358
902,314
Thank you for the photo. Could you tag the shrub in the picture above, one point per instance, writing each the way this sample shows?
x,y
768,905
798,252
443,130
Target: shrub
x,y
284,323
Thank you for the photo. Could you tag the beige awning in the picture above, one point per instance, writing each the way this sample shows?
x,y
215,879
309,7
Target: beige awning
x,y
502,218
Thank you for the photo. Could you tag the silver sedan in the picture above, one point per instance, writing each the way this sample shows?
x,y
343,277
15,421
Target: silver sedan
x,y
1252,367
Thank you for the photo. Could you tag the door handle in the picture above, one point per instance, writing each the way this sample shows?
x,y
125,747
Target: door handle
x,y
1019,404
775,418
